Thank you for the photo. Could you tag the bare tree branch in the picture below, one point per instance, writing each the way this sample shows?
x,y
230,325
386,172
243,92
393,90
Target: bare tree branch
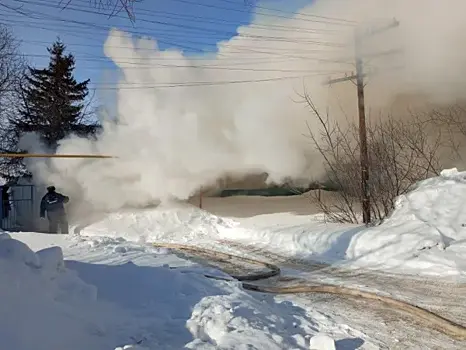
x,y
401,153
12,67
115,6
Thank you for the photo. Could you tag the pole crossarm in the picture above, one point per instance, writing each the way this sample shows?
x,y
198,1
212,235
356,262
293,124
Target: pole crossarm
x,y
40,155
340,80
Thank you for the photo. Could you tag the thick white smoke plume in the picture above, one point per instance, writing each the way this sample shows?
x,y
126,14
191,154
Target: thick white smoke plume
x,y
171,140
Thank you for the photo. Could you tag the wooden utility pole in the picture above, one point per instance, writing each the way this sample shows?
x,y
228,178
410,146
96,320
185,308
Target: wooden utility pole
x,y
365,191
359,77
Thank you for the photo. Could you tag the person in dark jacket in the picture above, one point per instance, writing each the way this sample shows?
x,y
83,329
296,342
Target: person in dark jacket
x,y
52,203
6,207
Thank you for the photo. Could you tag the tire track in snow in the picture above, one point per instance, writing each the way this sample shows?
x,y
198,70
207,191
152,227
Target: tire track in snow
x,y
442,297
301,286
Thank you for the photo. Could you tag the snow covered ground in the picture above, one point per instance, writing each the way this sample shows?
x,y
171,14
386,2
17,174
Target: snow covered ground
x,y
109,294
425,235
108,287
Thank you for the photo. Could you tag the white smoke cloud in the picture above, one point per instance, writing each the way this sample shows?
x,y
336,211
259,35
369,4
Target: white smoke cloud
x,y
171,141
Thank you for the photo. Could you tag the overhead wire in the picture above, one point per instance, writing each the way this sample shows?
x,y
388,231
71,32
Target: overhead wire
x,y
337,22
183,84
141,49
260,7
244,9
224,63
69,29
184,46
244,6
202,83
152,65
250,60
307,17
89,32
134,60
197,18
120,60
240,47
189,27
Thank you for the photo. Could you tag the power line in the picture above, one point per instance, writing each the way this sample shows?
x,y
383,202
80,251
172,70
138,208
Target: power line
x,y
118,60
184,84
153,65
191,48
265,26
256,7
211,83
180,30
76,34
97,27
242,48
64,29
36,42
201,84
338,23
297,13
223,56
308,18
306,15
226,62
89,33
77,9
232,49
209,31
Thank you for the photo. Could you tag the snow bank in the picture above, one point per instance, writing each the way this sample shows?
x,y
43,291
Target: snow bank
x,y
36,292
168,223
426,233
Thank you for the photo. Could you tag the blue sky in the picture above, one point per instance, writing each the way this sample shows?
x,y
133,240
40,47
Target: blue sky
x,y
174,23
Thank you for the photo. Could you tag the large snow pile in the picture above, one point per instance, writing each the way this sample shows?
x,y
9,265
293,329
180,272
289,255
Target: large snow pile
x,y
425,234
169,223
43,305
427,230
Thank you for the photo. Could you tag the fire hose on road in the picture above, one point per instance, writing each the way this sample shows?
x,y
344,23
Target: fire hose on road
x,y
424,316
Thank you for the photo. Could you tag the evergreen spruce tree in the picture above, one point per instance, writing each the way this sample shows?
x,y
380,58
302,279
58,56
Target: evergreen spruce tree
x,y
53,101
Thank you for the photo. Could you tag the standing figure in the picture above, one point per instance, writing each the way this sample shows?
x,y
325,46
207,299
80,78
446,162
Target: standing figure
x,y
52,203
6,207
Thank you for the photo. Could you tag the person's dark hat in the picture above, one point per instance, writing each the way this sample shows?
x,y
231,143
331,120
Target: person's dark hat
x,y
51,188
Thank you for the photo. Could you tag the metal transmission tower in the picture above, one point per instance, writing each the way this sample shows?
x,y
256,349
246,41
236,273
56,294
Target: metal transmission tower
x,y
359,36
